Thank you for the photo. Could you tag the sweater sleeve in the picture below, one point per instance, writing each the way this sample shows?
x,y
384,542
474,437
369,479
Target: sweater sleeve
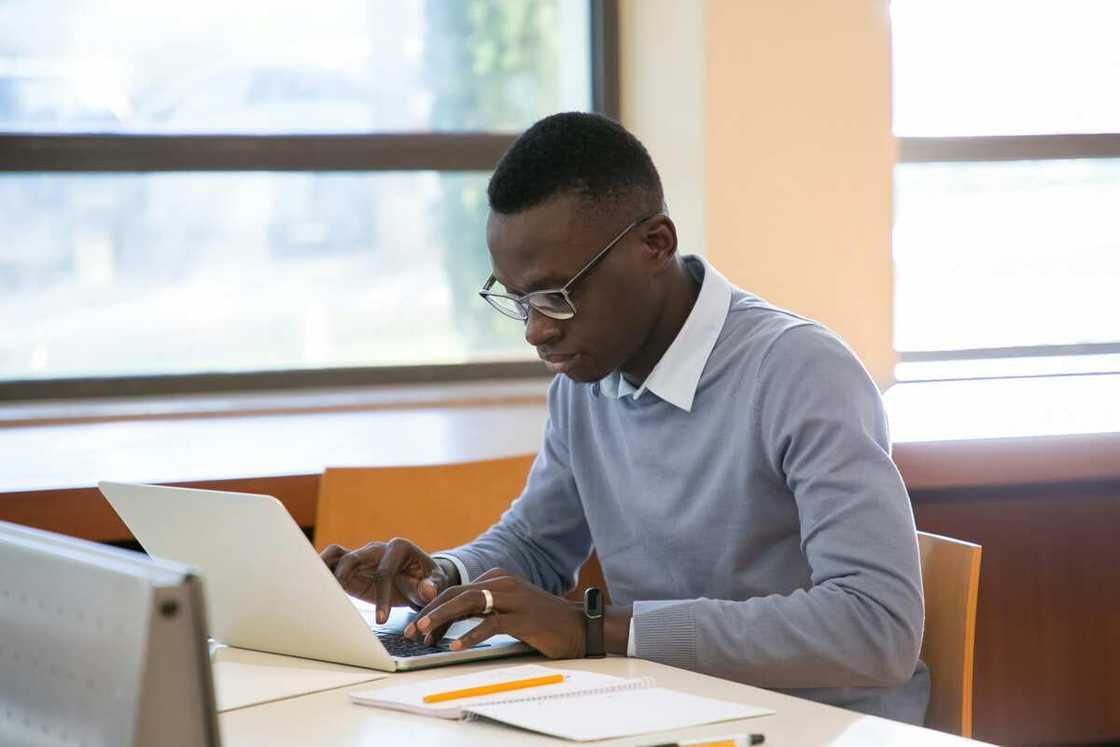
x,y
821,425
543,536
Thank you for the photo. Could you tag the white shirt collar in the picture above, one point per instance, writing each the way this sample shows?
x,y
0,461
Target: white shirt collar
x,y
676,375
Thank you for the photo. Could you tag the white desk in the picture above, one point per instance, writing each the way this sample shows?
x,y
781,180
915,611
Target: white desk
x,y
329,718
246,678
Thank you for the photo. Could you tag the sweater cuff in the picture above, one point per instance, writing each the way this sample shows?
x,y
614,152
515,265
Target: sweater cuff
x,y
467,562
665,632
464,577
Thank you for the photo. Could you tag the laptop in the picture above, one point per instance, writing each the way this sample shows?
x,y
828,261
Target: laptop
x,y
266,588
100,644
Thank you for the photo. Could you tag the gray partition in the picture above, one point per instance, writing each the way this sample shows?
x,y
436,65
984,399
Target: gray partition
x,y
100,646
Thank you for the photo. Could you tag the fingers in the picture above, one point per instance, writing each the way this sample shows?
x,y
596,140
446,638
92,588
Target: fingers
x,y
425,579
460,602
469,603
412,631
397,553
550,624
385,573
332,554
439,598
490,626
427,590
349,568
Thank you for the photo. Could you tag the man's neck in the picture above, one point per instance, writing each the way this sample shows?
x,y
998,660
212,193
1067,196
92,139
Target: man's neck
x,y
678,305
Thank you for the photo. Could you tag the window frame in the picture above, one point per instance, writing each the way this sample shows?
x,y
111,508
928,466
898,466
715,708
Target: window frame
x,y
146,153
991,148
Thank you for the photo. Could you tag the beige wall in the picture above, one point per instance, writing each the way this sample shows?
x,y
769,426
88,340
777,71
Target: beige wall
x,y
793,99
663,102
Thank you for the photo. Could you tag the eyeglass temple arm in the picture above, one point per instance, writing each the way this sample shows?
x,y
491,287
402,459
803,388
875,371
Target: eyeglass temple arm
x,y
595,260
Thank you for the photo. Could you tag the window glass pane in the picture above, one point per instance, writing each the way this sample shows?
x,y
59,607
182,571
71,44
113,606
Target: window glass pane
x,y
1006,254
146,274
1005,67
290,65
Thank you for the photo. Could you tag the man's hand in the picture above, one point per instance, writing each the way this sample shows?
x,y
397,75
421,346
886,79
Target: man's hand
x,y
550,624
388,574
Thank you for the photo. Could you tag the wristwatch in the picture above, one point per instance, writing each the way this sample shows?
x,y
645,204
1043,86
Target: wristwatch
x,y
593,619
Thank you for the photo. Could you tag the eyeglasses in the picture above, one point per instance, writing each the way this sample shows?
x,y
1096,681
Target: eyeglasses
x,y
555,303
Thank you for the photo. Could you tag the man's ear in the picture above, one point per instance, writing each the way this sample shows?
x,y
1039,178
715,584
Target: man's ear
x,y
659,238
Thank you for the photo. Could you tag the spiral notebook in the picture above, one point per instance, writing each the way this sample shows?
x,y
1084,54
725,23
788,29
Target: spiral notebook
x,y
584,707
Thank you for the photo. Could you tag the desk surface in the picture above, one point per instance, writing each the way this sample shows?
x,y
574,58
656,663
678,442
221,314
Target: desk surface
x,y
330,718
244,678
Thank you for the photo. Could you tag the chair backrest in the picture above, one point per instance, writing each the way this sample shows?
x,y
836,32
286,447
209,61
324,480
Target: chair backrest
x,y
436,506
951,577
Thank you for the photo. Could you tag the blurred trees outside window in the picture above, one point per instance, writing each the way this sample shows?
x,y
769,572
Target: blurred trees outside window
x,y
135,274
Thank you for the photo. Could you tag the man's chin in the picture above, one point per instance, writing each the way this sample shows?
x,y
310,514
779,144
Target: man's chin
x,y
585,374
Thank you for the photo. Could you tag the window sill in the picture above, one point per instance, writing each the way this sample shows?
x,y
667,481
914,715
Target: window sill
x,y
277,402
947,436
1006,431
272,443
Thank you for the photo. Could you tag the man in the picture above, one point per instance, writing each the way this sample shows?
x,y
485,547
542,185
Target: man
x,y
728,460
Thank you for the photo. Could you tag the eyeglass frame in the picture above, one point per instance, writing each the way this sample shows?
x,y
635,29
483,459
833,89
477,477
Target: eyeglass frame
x,y
522,302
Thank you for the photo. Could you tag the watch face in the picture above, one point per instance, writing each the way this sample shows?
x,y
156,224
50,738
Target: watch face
x,y
593,602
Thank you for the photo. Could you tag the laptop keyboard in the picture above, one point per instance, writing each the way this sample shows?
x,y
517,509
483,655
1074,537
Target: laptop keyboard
x,y
397,645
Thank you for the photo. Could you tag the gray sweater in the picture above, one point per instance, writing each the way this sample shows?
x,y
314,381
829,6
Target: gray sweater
x,y
761,532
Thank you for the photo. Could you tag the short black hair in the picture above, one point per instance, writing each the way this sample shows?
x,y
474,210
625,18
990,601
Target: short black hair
x,y
575,153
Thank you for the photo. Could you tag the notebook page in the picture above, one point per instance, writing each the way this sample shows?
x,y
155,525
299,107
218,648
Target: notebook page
x,y
410,697
621,713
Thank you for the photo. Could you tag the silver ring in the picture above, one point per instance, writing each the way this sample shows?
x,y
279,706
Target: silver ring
x,y
489,606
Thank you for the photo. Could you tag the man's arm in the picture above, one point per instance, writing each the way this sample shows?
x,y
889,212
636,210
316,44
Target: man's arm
x,y
860,621
540,541
543,536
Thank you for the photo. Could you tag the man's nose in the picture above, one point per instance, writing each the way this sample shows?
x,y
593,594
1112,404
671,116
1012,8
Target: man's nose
x,y
540,329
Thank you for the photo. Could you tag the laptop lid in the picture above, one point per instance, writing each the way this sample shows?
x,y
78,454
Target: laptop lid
x,y
266,587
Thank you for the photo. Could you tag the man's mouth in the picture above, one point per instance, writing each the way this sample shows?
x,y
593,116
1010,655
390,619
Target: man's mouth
x,y
557,363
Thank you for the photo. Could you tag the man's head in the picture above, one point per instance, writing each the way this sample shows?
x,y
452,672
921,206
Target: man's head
x,y
568,186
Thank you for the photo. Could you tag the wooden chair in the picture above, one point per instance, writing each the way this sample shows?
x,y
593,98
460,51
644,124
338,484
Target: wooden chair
x,y
951,577
435,506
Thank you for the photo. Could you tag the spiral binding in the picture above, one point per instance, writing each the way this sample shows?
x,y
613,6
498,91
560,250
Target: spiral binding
x,y
640,683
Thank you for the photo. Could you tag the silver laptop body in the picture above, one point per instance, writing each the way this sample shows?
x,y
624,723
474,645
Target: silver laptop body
x,y
265,587
100,646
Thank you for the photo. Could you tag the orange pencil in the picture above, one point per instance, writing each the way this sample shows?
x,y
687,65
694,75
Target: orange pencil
x,y
497,687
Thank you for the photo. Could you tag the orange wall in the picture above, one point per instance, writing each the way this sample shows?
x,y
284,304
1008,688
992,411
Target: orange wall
x,y
770,122
799,154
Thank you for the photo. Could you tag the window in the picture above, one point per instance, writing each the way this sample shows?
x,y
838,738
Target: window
x,y
260,193
1007,192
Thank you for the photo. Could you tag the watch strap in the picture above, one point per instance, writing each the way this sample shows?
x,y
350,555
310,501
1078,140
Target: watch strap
x,y
594,647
